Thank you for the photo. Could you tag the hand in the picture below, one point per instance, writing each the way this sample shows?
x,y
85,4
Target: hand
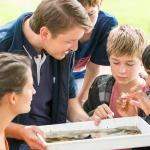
x,y
124,106
29,135
141,100
101,112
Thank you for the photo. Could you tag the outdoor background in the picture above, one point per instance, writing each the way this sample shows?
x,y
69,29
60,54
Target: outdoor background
x,y
135,12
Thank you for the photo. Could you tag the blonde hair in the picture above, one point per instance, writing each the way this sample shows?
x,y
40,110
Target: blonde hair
x,y
126,40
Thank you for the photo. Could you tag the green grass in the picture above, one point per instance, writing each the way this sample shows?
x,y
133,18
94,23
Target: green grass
x,y
10,9
135,12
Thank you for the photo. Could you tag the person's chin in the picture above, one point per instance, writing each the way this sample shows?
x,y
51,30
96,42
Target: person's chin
x,y
121,80
29,108
60,57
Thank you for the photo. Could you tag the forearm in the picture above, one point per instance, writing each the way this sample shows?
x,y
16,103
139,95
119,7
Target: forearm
x,y
92,71
29,134
145,104
75,111
14,131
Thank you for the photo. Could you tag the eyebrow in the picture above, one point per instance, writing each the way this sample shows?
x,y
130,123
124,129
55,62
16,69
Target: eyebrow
x,y
92,11
115,59
130,61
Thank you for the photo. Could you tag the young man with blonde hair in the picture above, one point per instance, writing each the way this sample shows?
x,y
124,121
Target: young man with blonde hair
x,y
49,36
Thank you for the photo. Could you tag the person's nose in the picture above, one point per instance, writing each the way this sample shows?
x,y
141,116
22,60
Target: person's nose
x,y
74,46
122,69
33,91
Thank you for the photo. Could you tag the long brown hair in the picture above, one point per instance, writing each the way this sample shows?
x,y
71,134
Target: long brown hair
x,y
13,68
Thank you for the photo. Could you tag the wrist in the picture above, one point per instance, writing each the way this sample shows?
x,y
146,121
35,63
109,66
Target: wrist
x,y
15,131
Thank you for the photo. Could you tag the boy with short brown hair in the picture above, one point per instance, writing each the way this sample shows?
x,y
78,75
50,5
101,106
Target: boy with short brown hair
x,y
125,47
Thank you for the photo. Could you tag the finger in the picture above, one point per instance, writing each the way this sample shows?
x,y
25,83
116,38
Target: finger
x,y
108,110
40,142
124,103
144,103
99,113
41,138
38,137
37,130
136,88
36,144
135,103
121,103
96,120
102,112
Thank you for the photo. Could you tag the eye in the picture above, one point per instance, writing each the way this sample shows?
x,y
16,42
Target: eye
x,y
130,64
116,63
68,42
92,13
148,73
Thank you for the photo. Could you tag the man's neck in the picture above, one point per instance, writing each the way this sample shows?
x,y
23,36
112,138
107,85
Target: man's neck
x,y
31,36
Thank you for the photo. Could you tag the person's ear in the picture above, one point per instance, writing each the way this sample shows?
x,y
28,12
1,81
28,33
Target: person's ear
x,y
12,98
44,33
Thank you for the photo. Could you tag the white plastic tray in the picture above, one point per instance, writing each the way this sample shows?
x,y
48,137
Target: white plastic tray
x,y
103,143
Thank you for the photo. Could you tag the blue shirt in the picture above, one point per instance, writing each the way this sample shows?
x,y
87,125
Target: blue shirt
x,y
43,81
94,49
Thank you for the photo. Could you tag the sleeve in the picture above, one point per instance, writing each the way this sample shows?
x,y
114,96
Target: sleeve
x,y
99,55
6,37
4,45
72,89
